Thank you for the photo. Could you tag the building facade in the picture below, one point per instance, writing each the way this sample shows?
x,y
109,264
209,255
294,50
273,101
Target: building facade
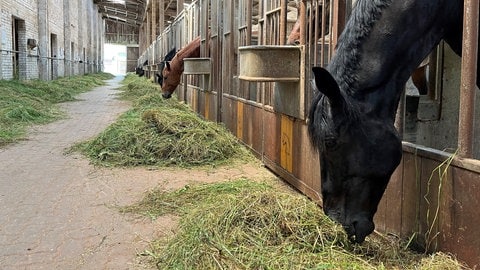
x,y
46,39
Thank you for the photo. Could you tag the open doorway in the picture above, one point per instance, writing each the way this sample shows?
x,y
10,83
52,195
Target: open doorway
x,y
19,43
115,59
53,55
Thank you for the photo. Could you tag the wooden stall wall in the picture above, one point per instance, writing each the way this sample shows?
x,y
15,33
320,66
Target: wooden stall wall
x,y
433,198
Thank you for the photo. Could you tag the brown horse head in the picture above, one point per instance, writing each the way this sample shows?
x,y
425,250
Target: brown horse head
x,y
172,72
294,36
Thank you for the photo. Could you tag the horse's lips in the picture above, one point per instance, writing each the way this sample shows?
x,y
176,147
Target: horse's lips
x,y
166,96
358,230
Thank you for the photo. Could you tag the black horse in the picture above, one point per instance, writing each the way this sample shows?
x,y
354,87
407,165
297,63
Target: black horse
x,y
168,57
139,70
351,118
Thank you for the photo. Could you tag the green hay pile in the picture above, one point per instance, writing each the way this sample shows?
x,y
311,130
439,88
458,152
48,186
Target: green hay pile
x,y
246,225
24,103
159,132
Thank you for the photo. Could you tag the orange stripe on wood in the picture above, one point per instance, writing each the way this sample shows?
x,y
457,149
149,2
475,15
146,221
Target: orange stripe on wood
x,y
207,105
286,140
240,120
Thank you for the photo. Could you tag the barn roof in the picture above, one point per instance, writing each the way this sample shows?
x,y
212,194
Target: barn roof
x,y
133,12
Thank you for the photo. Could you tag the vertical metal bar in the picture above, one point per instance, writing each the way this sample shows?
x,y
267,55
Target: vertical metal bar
x,y
154,22
468,78
283,22
303,31
318,24
161,18
249,22
322,31
338,20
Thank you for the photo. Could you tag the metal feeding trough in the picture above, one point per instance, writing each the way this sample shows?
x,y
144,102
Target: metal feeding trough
x,y
270,63
283,65
199,66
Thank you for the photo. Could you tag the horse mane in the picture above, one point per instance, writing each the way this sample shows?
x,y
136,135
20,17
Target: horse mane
x,y
346,60
320,124
192,49
343,67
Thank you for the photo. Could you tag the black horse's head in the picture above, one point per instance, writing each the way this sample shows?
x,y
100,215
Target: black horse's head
x,y
358,153
159,75
139,71
168,57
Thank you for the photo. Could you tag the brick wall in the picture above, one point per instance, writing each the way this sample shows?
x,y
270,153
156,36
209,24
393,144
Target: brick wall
x,y
79,24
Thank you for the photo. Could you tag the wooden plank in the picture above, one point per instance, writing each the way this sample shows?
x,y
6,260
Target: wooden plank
x,y
271,140
466,200
229,114
306,165
207,105
257,129
429,203
247,125
393,193
240,120
446,225
286,143
411,194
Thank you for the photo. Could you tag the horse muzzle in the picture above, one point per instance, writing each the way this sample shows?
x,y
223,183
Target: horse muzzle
x,y
359,229
166,95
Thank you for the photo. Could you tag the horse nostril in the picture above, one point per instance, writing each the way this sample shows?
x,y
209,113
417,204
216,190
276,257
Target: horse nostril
x,y
359,230
166,95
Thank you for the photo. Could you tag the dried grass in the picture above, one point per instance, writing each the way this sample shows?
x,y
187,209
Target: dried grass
x,y
25,103
159,132
243,224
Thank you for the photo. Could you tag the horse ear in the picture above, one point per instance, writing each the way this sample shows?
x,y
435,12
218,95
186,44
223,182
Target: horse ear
x,y
167,65
326,84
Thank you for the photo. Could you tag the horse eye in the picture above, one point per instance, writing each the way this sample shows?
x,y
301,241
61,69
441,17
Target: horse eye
x,y
330,142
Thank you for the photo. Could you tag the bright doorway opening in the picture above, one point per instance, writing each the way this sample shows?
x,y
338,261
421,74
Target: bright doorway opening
x,y
115,59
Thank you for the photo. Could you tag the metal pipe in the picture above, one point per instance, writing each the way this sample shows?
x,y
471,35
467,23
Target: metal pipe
x,y
303,30
468,78
283,22
249,22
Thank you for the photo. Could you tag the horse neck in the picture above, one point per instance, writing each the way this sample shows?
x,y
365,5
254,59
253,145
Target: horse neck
x,y
294,34
373,63
190,51
170,55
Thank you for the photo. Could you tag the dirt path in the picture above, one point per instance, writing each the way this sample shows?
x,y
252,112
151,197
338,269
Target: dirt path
x,y
59,212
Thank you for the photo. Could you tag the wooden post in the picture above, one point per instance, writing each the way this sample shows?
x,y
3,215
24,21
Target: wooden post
x,y
468,78
179,6
154,20
161,17
148,30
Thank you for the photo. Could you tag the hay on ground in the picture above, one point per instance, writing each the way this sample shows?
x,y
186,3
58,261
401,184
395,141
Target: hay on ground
x,y
247,225
158,132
